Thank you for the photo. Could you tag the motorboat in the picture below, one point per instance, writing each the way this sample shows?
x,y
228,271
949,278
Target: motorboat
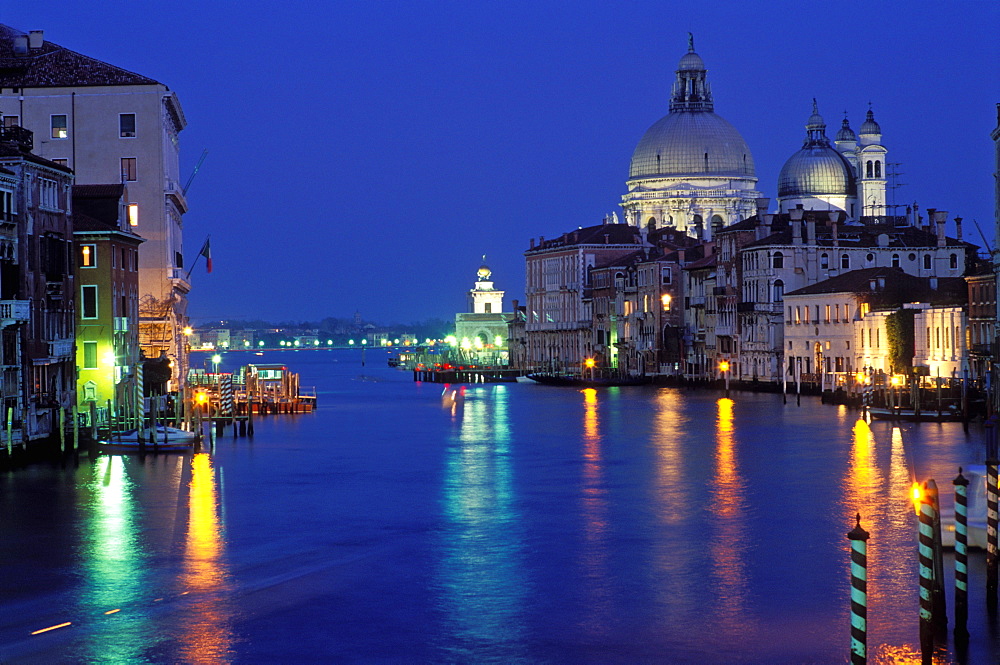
x,y
167,439
575,380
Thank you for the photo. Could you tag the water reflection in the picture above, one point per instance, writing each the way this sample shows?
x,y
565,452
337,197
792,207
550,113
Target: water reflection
x,y
728,544
115,562
205,634
594,558
483,584
863,482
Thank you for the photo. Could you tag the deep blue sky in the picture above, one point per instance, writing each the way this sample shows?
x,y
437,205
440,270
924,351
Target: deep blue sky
x,y
363,156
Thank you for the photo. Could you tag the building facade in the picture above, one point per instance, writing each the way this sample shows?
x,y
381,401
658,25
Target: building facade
x,y
107,307
110,125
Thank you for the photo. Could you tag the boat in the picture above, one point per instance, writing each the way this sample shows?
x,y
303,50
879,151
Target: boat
x,y
168,439
575,380
949,414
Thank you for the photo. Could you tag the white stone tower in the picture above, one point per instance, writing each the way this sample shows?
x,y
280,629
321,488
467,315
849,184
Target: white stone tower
x,y
483,298
871,162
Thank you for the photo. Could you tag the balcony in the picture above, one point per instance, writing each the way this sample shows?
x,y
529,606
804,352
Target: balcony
x,y
61,348
173,190
14,311
121,324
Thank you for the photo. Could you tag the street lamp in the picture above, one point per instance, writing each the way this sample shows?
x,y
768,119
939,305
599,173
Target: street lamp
x,y
216,359
724,368
589,364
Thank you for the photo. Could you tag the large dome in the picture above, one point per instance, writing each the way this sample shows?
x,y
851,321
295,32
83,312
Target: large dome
x,y
691,143
816,170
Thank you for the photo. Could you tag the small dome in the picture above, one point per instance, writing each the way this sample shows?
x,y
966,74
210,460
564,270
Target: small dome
x,y
691,61
870,126
846,133
691,144
484,272
816,170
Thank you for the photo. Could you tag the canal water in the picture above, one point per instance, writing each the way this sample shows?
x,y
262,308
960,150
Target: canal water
x,y
515,524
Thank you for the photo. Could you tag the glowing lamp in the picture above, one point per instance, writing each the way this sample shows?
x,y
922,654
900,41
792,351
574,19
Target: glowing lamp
x,y
666,302
188,330
724,366
917,496
589,363
201,397
216,359
896,380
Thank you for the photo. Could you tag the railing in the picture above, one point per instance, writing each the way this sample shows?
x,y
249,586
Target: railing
x,y
17,311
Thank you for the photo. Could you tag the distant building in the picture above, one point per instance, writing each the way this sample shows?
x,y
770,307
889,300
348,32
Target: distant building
x,y
110,125
37,290
482,331
107,308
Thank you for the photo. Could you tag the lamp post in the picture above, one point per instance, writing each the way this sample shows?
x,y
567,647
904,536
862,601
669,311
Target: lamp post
x,y
589,364
216,359
724,368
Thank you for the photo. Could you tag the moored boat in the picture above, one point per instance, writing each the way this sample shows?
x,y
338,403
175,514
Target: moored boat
x,y
575,380
924,415
168,439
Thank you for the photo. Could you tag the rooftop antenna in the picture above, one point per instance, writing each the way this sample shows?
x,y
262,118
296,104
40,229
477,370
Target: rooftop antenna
x,y
201,161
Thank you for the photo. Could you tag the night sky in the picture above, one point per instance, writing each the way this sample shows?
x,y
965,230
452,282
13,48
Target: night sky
x,y
364,156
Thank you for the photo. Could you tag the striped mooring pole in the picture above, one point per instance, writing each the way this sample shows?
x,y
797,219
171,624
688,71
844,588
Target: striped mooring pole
x,y
859,593
925,557
939,593
961,555
991,530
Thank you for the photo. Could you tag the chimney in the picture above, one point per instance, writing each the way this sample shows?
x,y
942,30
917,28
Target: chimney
x,y
834,218
762,204
939,217
680,256
35,39
811,229
795,215
532,244
958,228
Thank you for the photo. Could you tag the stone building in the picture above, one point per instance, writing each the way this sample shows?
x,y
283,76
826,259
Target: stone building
x,y
110,125
37,290
482,331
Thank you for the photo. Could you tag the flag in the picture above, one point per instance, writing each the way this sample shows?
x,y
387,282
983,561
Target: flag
x,y
206,251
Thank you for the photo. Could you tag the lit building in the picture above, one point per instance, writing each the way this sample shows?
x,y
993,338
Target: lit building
x,y
36,289
558,325
691,170
110,125
482,331
107,307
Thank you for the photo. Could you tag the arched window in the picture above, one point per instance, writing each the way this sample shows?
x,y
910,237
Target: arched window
x,y
845,262
878,169
824,261
954,261
870,258
779,260
895,260
927,261
779,290
868,169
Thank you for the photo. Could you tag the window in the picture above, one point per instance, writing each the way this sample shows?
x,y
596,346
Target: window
x,y
90,355
59,127
88,296
895,260
133,214
878,169
870,258
88,256
128,169
827,313
927,261
953,261
665,275
845,262
61,162
868,169
11,121
779,290
178,259
779,260
48,194
126,125
824,261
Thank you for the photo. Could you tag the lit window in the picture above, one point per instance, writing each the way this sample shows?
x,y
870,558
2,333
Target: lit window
x,y
88,256
60,130
126,125
128,169
90,355
133,214
666,302
88,297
